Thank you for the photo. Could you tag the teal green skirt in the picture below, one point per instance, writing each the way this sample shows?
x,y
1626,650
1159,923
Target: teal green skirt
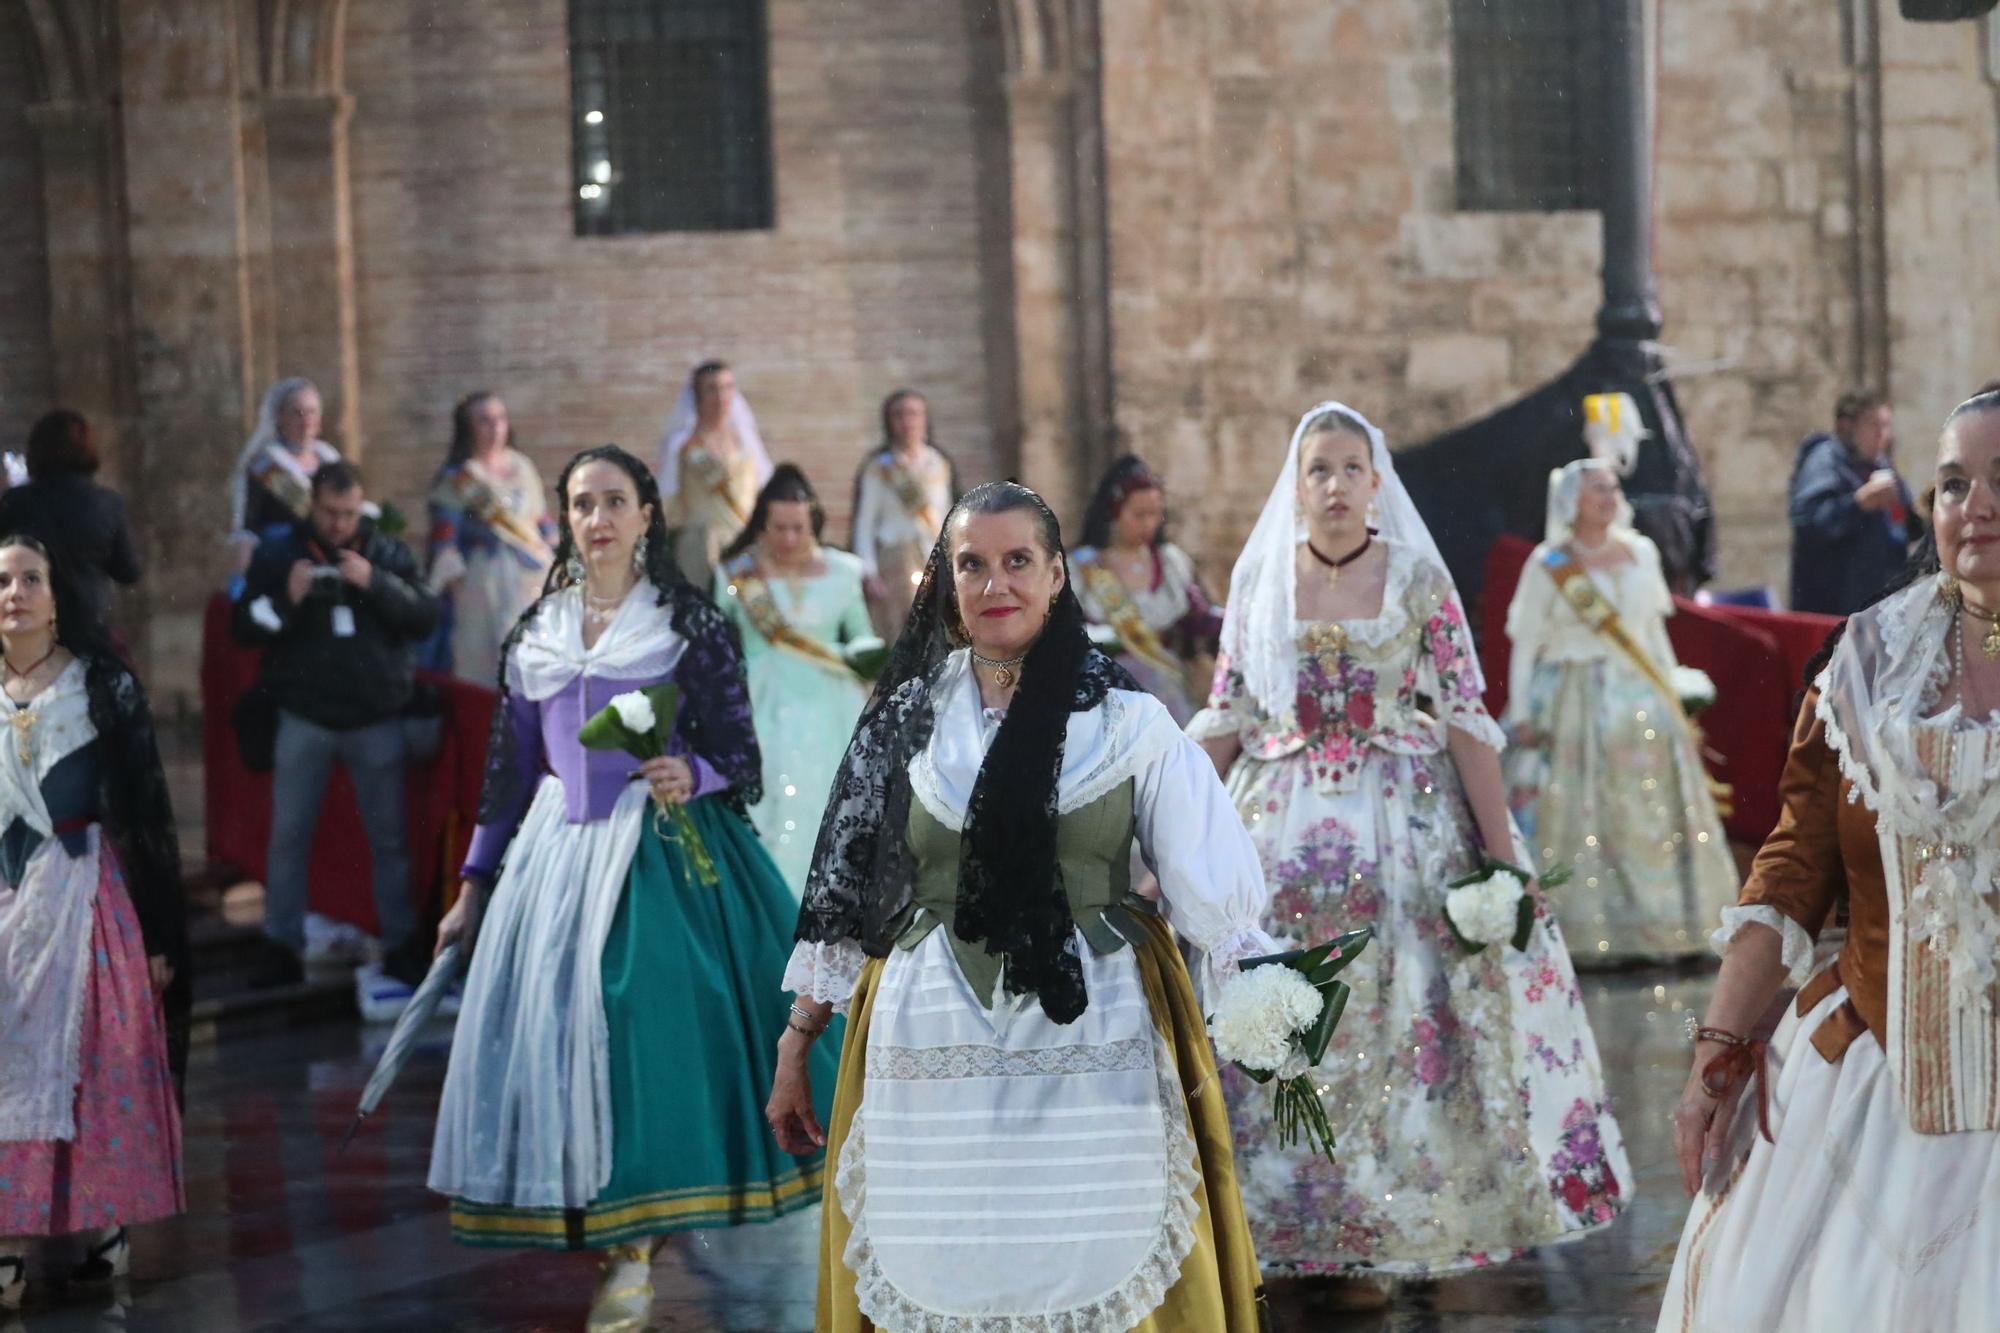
x,y
694,1009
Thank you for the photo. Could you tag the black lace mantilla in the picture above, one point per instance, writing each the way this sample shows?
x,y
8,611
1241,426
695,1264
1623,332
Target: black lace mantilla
x,y
1010,892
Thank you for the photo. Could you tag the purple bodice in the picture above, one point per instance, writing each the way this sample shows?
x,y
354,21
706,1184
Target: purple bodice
x,y
593,780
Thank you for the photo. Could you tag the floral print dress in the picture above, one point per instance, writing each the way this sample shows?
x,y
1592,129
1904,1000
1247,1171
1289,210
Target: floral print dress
x,y
1464,1089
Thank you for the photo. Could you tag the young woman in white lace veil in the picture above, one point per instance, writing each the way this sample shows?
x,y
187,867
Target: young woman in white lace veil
x,y
272,480
1464,1089
712,464
1027,1135
1853,1181
1605,775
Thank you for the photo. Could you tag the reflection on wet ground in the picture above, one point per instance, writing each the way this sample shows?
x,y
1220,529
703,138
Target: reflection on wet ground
x,y
286,1232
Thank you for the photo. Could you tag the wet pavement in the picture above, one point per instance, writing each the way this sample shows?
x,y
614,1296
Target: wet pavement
x,y
287,1232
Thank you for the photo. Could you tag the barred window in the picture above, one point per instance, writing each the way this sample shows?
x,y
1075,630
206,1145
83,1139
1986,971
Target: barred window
x,y
1528,86
671,116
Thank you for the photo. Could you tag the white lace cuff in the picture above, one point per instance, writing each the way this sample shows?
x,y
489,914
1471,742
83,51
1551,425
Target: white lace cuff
x,y
1481,728
1218,964
825,973
1797,946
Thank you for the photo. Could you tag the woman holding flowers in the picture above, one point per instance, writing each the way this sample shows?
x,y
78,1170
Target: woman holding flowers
x,y
800,609
1855,1182
1605,774
1027,1133
635,920
1464,1088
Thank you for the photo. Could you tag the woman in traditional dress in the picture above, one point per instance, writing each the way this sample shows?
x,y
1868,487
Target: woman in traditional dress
x,y
1605,775
1027,1135
901,492
272,484
610,1060
712,462
1854,1180
1131,578
797,604
1464,1088
92,920
490,537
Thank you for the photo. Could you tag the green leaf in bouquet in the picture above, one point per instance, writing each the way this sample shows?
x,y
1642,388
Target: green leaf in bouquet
x,y
1487,869
867,658
1524,923
1335,953
1320,1034
605,730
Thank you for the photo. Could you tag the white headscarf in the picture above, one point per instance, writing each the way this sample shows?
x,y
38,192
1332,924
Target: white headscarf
x,y
1566,489
262,438
680,425
1258,629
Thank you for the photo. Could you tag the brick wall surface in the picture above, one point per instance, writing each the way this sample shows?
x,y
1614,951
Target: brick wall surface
x,y
468,273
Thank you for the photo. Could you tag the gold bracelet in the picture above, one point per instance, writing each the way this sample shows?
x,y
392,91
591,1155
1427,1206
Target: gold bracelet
x,y
810,1034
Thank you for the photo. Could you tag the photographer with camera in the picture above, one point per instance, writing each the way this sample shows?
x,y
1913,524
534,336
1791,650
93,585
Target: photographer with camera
x,y
336,604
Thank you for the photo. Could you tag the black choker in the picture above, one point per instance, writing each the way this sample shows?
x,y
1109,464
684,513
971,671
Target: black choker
x,y
1347,559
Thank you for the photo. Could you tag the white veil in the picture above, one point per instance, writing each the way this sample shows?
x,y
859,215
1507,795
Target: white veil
x,y
1566,488
680,425
265,435
1258,630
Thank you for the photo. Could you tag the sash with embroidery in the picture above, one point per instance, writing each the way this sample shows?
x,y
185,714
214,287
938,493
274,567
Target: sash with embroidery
x,y
753,593
713,476
471,492
909,490
275,471
1580,591
1121,612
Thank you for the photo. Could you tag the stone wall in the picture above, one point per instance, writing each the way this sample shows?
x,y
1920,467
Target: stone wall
x,y
468,273
1284,229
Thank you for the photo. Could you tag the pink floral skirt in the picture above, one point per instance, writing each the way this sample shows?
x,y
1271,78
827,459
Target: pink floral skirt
x,y
124,1165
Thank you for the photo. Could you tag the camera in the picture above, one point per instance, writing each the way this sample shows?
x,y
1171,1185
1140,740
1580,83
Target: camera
x,y
325,578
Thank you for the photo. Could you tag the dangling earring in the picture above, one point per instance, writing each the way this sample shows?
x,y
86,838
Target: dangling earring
x,y
1949,591
639,556
574,568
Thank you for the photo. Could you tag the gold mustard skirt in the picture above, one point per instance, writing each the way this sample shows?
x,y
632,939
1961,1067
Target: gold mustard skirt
x,y
1218,1290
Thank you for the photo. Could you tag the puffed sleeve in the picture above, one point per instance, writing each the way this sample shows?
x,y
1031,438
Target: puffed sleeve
x,y
1527,631
1798,874
1659,603
1211,883
1447,664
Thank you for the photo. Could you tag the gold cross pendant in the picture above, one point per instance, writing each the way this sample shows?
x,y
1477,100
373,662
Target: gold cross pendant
x,y
24,722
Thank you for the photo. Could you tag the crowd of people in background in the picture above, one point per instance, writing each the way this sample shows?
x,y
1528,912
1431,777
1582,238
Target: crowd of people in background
x,y
1003,817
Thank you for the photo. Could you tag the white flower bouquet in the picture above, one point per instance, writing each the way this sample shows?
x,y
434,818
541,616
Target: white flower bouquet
x,y
1273,1021
1694,688
641,723
1104,639
1492,905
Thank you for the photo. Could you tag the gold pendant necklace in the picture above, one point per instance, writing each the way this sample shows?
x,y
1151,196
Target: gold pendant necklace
x,y
24,724
1004,673
1989,643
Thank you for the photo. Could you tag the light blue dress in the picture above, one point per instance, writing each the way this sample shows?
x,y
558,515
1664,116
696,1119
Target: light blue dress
x,y
804,705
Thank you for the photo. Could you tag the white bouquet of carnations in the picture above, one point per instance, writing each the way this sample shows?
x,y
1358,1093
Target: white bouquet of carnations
x,y
1694,688
1493,906
866,656
1274,1019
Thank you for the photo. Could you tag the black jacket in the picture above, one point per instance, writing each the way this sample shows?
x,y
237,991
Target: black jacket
x,y
337,681
83,525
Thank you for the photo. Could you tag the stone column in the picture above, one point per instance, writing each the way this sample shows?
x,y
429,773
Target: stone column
x,y
83,198
312,251
183,168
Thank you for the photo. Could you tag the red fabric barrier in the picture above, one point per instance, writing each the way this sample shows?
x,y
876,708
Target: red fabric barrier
x,y
442,796
1757,659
